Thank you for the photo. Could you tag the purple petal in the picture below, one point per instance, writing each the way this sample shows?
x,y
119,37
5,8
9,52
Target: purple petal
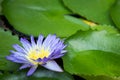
x,y
54,41
48,41
33,41
39,60
44,60
59,46
63,51
40,40
26,44
56,52
57,56
32,70
25,66
54,44
17,53
19,48
52,65
15,59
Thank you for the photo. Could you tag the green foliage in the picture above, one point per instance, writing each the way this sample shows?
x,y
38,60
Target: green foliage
x,y
101,78
115,13
40,74
6,42
93,50
0,7
93,53
94,10
108,28
40,17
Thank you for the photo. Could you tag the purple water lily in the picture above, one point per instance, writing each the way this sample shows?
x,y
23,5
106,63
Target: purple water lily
x,y
42,52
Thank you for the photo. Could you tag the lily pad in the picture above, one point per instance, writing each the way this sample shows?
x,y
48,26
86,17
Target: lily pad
x,y
6,42
40,17
93,53
0,7
101,78
115,13
40,74
94,10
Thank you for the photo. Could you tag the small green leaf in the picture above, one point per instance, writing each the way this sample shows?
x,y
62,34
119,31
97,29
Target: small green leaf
x,y
41,74
95,10
40,17
115,13
93,53
6,42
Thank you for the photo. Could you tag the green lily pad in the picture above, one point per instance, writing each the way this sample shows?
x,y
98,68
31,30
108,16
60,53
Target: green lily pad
x,y
41,74
94,10
40,17
115,13
0,7
101,78
6,42
93,53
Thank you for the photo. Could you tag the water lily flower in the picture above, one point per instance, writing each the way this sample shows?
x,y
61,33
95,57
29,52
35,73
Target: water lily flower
x,y
41,52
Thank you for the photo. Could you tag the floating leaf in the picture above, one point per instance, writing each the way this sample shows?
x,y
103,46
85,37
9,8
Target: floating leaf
x,y
93,53
6,42
41,74
40,17
101,78
95,10
0,7
115,13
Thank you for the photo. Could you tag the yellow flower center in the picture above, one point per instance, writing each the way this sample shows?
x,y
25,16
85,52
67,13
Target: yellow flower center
x,y
36,54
